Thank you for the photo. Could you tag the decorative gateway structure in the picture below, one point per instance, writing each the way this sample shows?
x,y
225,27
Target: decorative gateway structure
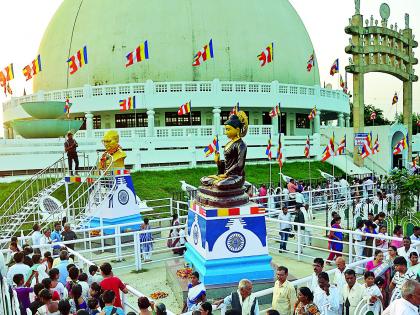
x,y
131,66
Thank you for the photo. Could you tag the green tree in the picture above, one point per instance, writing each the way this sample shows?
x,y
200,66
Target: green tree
x,y
369,109
415,118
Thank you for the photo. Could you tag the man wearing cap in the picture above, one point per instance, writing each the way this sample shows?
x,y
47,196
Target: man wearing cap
x,y
70,148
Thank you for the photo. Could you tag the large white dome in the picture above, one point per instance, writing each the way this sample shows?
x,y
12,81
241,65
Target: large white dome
x,y
175,30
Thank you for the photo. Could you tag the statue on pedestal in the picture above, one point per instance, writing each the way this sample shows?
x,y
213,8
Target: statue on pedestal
x,y
226,188
113,151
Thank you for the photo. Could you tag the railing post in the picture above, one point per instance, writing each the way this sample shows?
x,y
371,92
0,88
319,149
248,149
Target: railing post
x,y
137,251
170,205
118,242
101,225
299,242
350,247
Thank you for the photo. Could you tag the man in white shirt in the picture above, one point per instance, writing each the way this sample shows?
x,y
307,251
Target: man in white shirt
x,y
339,278
344,186
307,232
352,293
18,268
406,250
36,235
318,266
368,187
410,301
285,228
299,198
45,242
416,237
326,296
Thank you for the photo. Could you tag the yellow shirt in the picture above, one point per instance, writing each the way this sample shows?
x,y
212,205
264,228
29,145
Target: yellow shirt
x,y
284,297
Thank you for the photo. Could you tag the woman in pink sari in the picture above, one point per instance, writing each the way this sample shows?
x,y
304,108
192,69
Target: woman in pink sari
x,y
398,232
379,267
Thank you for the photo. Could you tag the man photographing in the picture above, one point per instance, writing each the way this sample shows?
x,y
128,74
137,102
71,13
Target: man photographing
x,y
70,148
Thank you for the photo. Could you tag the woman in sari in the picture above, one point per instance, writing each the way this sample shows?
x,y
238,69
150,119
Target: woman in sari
x,y
146,241
196,294
335,247
398,232
173,240
379,267
304,304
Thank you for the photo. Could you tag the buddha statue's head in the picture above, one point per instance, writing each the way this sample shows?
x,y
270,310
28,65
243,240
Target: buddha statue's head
x,y
110,140
236,125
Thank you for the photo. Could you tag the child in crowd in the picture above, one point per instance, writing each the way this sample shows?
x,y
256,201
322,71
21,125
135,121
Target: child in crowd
x,y
95,292
56,285
372,293
74,276
109,298
77,301
83,278
23,290
54,293
94,275
37,302
93,306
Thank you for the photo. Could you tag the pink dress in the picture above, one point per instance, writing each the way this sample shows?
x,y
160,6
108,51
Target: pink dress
x,y
395,243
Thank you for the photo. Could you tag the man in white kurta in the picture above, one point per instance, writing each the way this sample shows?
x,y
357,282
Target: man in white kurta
x,y
339,278
409,303
352,293
326,296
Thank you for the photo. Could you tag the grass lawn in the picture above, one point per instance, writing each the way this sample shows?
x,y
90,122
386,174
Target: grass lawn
x,y
161,184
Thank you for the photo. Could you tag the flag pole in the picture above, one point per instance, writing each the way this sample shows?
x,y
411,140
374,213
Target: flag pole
x,y
279,132
269,162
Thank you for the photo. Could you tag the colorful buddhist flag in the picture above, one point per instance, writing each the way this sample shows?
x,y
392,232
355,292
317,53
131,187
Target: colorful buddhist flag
x,y
266,55
399,147
9,73
3,80
78,60
235,110
366,147
204,54
184,109
329,150
216,143
275,111
375,148
32,69
280,154
67,106
395,99
307,148
334,68
311,62
128,103
208,150
268,150
312,114
342,146
139,54
342,84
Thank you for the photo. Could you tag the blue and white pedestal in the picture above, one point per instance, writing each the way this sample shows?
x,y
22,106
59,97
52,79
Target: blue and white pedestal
x,y
226,245
122,206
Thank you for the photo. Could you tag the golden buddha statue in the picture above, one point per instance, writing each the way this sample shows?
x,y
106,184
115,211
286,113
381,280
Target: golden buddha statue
x,y
226,188
112,149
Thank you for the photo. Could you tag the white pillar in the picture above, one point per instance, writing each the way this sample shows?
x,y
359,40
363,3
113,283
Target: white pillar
x,y
347,120
317,121
340,120
150,122
89,124
6,131
216,120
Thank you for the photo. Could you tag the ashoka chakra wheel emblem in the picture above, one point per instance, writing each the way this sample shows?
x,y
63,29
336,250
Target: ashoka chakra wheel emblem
x,y
235,242
123,197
